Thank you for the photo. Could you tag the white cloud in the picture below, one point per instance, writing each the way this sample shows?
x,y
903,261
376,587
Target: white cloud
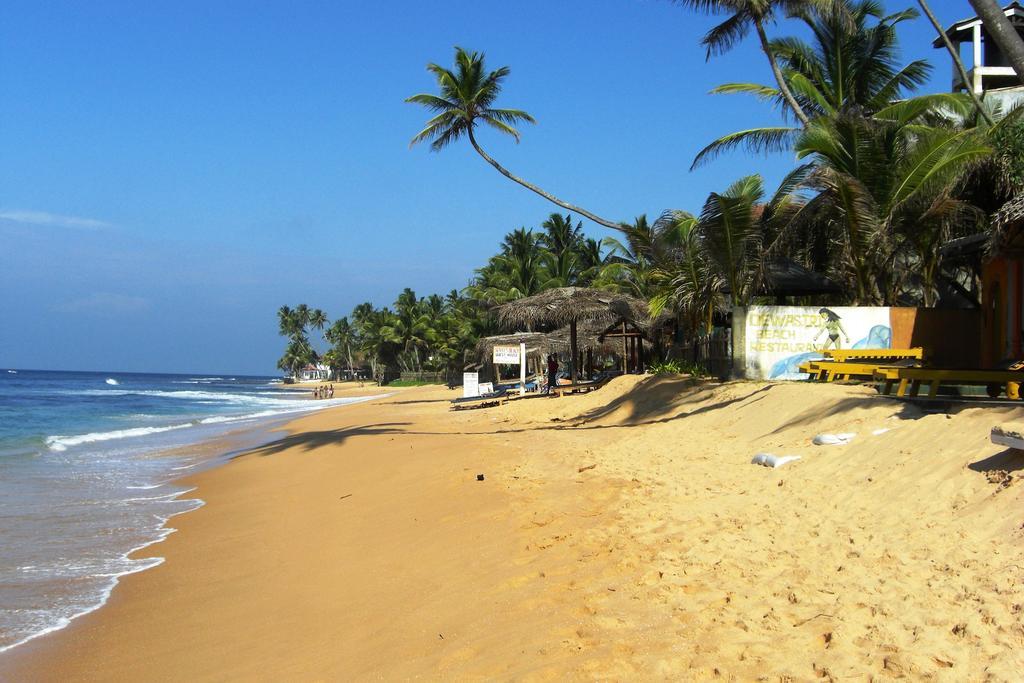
x,y
105,303
44,218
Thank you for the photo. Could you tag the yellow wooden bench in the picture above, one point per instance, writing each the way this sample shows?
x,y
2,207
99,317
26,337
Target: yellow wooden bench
x,y
830,370
908,380
844,355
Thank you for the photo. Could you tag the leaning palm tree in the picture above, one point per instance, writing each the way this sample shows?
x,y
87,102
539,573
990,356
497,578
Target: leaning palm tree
x,y
467,96
744,15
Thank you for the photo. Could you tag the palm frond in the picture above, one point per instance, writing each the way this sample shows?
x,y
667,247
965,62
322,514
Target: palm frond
x,y
757,140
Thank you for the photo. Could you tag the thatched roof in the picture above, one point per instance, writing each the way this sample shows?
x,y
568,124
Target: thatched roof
x,y
564,305
558,340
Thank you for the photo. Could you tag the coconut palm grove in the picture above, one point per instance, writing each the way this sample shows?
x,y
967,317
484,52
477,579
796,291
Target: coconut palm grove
x,y
883,176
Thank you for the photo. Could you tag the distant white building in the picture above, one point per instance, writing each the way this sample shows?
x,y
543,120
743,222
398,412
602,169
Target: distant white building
x,y
314,373
988,70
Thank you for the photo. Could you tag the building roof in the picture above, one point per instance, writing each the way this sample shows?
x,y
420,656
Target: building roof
x,y
1012,10
785,277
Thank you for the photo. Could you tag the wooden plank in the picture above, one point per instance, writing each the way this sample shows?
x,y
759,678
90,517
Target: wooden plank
x,y
962,376
916,353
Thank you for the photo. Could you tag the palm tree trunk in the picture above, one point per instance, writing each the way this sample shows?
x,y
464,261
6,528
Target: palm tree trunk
x,y
779,78
1003,32
547,195
957,62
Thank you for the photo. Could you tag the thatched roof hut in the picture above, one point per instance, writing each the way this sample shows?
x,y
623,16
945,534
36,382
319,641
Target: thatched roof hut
x,y
566,305
571,306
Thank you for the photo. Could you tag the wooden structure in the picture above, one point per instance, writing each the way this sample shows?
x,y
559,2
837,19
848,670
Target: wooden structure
x,y
579,387
908,381
859,364
632,339
989,69
494,398
571,306
1002,284
844,355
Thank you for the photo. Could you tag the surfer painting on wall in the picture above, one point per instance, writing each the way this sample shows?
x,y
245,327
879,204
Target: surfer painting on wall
x,y
831,325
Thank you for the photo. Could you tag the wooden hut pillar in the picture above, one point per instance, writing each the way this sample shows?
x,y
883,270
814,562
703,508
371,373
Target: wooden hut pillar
x,y
590,362
573,352
625,350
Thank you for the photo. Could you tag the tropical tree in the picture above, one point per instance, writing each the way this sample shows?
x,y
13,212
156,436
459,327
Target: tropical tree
x,y
692,286
732,236
745,15
467,97
561,242
850,63
343,338
317,319
880,179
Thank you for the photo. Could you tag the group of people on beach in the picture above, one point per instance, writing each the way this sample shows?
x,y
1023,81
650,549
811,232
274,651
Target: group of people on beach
x,y
324,392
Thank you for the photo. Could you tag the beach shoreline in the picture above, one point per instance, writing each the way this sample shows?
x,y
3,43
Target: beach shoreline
x,y
31,582
621,534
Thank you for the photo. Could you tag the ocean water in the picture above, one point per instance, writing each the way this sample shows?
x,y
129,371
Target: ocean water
x,y
84,479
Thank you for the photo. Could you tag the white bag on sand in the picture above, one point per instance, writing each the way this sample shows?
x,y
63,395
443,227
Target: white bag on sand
x,y
773,461
833,439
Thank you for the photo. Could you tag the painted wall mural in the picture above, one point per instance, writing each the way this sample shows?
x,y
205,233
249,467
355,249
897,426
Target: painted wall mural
x,y
780,338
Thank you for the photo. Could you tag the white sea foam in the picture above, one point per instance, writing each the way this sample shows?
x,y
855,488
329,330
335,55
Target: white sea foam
x,y
61,443
283,407
111,381
123,565
144,488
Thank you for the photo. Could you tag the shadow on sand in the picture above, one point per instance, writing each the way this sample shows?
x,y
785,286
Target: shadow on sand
x,y
1010,460
308,441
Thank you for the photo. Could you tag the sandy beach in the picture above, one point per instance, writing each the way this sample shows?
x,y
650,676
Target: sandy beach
x,y
620,535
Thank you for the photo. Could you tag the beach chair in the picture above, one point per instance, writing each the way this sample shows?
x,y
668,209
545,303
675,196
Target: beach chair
x,y
860,370
579,387
487,400
908,381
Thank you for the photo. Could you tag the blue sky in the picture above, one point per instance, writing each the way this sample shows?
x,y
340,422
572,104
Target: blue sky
x,y
172,173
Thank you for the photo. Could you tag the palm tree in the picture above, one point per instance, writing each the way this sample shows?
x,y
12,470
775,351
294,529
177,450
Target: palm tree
x,y
693,285
317,319
880,179
513,273
851,62
744,15
467,97
343,338
561,242
732,236
287,323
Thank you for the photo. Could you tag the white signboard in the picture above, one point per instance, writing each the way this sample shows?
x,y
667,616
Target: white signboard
x,y
470,384
506,355
780,338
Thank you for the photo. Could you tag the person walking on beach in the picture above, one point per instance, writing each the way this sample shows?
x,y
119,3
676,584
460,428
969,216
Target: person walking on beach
x,y
552,371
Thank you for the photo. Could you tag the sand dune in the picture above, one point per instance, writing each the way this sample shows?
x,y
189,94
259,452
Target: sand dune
x,y
618,535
